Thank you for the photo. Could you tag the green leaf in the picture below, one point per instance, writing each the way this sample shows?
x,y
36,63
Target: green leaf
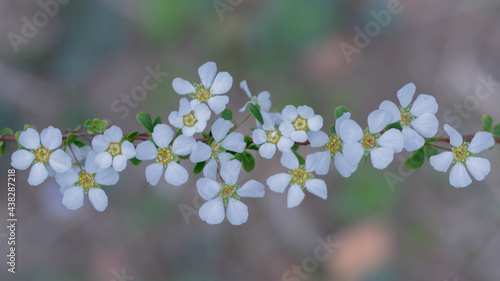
x,y
340,110
3,145
395,125
238,156
416,160
227,114
157,121
6,132
248,162
144,119
332,129
199,167
301,159
131,137
254,110
295,147
178,133
79,143
488,122
96,126
247,140
430,151
496,130
71,138
431,139
135,161
253,147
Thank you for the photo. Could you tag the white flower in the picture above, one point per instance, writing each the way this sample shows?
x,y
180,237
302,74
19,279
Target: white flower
x,y
380,147
215,149
298,121
112,150
192,117
75,184
227,194
79,152
262,99
211,88
334,146
40,149
418,120
463,157
269,138
299,177
165,156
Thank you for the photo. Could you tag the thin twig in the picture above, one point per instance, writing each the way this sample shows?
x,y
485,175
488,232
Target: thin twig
x,y
70,148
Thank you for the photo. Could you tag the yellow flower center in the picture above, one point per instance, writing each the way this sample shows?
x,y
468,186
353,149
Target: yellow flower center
x,y
227,191
300,176
86,180
406,117
42,154
334,144
115,148
189,120
300,124
215,149
165,155
368,141
460,153
273,137
202,94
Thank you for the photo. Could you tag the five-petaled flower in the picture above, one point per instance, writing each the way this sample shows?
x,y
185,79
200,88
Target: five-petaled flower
x,y
269,138
165,155
227,193
41,150
192,117
297,122
210,90
463,157
112,150
418,120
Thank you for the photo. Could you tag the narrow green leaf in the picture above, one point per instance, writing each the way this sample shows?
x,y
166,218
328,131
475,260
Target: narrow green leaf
x,y
254,110
3,145
227,114
248,162
144,119
6,132
135,161
431,139
295,147
416,160
430,151
496,130
253,147
332,129
301,159
488,122
157,121
247,140
395,125
71,138
178,133
340,110
238,156
199,167
131,137
79,143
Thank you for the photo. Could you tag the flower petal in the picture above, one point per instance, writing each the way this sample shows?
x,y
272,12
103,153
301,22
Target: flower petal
x,y
98,198
60,161
349,131
146,150
324,159
153,173
119,163
299,136
222,84
212,212
252,188
478,167
162,135
315,123
481,141
230,171
279,182
264,99
237,212
412,139
67,178
210,169
128,149
234,142
176,174
201,152
286,128
455,137
317,187
244,87
289,160
218,103
426,125
30,139
22,159
305,111
392,138
424,104
90,164
343,165
183,145
51,138
392,108
183,87
207,73
220,128
73,198
442,161
176,119
99,144
459,176
353,152
38,174
295,196
289,113
405,94
184,107
267,150
113,134
104,160
381,157
202,112
107,176
378,120
188,131
208,188
318,138
284,144
259,136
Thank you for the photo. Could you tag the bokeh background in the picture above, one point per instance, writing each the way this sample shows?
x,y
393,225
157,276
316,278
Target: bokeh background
x,y
387,225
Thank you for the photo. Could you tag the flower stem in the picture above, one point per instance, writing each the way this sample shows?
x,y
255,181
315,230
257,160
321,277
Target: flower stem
x,y
72,152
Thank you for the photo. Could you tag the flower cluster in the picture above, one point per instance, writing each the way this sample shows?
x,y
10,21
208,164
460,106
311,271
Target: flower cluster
x,y
220,152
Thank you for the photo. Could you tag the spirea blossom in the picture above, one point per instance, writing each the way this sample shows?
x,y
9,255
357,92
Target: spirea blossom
x,y
112,150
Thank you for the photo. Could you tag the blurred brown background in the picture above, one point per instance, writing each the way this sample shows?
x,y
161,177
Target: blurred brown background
x,y
86,57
